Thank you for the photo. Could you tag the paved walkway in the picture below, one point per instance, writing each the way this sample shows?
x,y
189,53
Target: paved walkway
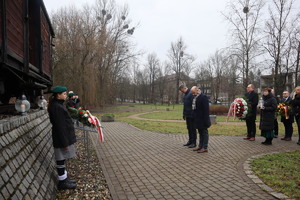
x,y
147,165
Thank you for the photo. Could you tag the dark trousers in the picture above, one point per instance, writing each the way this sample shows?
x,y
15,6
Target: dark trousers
x,y
191,130
275,126
298,125
251,127
288,126
203,143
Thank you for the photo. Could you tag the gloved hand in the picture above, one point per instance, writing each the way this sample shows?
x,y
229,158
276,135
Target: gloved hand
x,y
183,117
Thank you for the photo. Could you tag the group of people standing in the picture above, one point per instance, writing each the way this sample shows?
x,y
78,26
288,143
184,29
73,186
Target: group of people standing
x,y
268,119
196,114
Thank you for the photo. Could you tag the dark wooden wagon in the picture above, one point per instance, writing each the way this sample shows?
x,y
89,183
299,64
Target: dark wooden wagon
x,y
26,46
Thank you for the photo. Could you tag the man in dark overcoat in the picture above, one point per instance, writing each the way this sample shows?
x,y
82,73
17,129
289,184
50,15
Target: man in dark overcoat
x,y
201,117
188,115
252,97
287,120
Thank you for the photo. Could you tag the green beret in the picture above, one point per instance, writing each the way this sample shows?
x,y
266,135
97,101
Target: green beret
x,y
71,94
59,89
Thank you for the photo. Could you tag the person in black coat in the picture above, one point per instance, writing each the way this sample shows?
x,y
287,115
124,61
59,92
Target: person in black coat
x,y
296,108
201,117
63,135
252,97
267,116
73,100
188,115
275,120
289,119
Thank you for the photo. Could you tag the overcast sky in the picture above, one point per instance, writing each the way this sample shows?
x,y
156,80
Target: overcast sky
x,y
199,22
161,22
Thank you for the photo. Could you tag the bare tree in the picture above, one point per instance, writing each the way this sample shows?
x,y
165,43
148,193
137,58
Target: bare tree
x,y
161,81
218,64
180,62
93,50
278,43
153,68
244,16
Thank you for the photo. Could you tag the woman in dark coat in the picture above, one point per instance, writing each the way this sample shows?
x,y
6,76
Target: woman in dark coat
x,y
267,116
63,135
296,109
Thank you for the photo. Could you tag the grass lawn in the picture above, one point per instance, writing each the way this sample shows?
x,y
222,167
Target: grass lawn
x,y
175,113
280,172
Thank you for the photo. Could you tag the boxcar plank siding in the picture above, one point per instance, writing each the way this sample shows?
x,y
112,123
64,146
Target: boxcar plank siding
x,y
46,61
15,26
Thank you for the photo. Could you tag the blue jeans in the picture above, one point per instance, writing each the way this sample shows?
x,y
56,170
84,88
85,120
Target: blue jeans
x,y
203,143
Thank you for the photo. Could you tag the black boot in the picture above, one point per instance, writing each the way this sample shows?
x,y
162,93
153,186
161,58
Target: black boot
x,y
270,141
265,142
65,184
70,180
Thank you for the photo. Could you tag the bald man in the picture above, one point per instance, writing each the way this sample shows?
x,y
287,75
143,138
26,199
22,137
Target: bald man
x,y
252,96
201,118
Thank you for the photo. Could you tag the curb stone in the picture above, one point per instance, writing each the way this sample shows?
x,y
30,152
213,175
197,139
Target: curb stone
x,y
249,172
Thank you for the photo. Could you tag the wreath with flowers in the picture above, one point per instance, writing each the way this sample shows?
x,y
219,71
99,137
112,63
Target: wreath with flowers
x,y
239,108
284,110
87,119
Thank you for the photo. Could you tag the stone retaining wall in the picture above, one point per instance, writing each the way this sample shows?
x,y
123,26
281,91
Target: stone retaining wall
x,y
27,166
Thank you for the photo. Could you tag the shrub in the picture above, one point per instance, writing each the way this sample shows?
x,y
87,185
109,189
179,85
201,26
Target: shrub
x,y
219,110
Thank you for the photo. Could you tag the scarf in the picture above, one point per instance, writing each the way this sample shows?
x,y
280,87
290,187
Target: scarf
x,y
194,101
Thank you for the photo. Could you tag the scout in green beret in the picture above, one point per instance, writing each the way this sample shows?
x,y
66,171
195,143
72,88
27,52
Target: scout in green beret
x,y
63,135
59,89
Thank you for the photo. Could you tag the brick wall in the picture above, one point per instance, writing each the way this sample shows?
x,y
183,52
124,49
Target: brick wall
x,y
27,166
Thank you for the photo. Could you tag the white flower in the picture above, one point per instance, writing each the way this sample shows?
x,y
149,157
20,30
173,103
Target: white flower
x,y
85,115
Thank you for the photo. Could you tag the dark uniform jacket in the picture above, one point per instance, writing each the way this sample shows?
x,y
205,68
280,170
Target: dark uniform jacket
x,y
290,113
296,105
187,104
74,103
63,133
267,115
201,113
253,98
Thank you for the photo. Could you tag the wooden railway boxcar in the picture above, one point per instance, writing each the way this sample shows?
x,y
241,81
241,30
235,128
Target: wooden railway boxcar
x,y
26,46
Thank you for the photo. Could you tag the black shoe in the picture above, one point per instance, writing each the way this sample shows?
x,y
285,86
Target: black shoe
x,y
187,144
192,146
267,143
65,185
71,181
275,136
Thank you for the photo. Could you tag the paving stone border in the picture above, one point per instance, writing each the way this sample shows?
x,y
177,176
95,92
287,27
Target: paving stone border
x,y
250,173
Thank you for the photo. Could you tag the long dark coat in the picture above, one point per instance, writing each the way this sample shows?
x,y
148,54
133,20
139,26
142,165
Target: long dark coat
x,y
201,113
296,105
267,115
291,115
63,133
253,99
187,104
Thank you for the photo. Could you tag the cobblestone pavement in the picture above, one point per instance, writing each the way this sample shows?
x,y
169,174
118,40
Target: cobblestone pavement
x,y
141,164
